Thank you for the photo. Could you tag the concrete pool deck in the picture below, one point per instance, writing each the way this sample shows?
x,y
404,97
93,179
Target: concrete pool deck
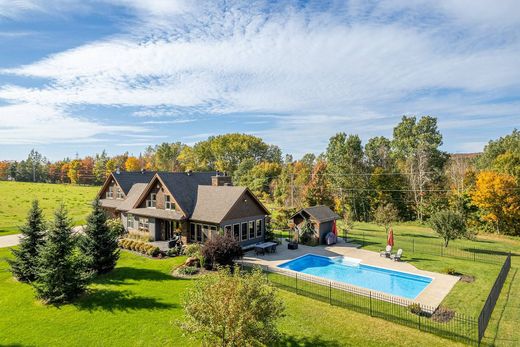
x,y
431,296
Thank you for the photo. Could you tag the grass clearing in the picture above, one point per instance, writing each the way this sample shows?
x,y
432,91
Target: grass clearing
x,y
16,198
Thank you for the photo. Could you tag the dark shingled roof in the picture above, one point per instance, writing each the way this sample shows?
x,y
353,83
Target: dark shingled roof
x,y
214,203
127,179
184,187
319,213
132,196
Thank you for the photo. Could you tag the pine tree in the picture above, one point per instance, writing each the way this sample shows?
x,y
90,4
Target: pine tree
x,y
100,241
62,270
23,266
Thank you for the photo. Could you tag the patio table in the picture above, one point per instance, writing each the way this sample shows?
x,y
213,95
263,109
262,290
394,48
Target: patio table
x,y
265,246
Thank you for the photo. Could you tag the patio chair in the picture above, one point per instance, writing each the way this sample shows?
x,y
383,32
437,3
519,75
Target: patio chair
x,y
397,256
273,248
387,252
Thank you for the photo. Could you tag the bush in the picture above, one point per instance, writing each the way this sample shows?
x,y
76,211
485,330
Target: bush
x,y
221,250
172,252
443,314
115,226
192,250
415,308
451,271
139,246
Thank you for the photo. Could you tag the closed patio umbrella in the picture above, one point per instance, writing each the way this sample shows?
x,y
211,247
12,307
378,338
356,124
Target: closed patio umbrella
x,y
390,241
334,228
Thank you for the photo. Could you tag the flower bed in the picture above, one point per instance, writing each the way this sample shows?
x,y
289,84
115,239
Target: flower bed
x,y
140,247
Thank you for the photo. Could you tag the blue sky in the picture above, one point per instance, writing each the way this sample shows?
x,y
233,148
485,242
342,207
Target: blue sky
x,y
80,77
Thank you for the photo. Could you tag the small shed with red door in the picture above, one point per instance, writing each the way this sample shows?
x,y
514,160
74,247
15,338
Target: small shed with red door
x,y
321,217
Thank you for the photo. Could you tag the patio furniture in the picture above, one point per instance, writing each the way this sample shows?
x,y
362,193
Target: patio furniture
x,y
387,252
262,248
292,245
397,256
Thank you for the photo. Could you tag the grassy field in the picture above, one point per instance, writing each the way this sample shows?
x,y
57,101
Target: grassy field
x,y
16,197
138,304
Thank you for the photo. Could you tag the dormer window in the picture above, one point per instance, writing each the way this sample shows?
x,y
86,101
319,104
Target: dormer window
x,y
110,192
152,201
120,193
168,204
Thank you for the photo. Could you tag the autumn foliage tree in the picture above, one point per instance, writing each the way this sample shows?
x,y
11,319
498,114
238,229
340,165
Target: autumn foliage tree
x,y
317,192
497,195
132,164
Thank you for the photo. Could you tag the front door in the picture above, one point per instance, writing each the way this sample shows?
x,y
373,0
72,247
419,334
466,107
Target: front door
x,y
168,230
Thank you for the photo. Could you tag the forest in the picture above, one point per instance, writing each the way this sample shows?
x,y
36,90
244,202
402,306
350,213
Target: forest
x,y
407,177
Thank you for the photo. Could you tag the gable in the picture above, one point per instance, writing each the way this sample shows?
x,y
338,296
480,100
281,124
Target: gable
x,y
246,206
110,182
157,187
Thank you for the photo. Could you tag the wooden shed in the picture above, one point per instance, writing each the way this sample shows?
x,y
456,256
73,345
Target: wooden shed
x,y
321,217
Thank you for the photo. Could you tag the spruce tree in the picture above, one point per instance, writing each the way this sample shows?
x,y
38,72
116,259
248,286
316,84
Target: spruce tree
x,y
62,269
24,264
100,241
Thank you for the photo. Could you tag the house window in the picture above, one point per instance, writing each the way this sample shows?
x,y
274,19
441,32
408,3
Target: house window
x,y
143,224
192,233
199,232
252,229
236,232
152,201
227,230
244,231
110,192
258,228
130,222
119,193
168,204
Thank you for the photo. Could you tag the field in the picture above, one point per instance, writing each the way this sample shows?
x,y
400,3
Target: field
x,y
16,198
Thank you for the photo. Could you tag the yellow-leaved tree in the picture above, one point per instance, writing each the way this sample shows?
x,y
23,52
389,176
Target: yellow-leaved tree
x,y
132,164
497,195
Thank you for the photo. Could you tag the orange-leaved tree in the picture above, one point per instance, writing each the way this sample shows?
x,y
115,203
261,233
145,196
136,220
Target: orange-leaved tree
x,y
132,164
497,195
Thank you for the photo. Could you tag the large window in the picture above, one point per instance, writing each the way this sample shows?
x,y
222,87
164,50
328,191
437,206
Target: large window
x,y
258,228
110,192
168,204
199,232
119,193
244,231
193,237
227,230
152,201
252,229
236,232
144,224
130,221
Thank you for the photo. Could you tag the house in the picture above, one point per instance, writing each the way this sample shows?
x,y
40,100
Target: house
x,y
321,217
196,205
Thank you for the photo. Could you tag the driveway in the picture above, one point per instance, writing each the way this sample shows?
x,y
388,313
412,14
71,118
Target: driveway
x,y
13,240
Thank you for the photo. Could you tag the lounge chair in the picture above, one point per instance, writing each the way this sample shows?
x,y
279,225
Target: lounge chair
x,y
387,252
397,256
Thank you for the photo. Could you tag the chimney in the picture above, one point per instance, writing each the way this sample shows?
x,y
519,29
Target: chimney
x,y
118,170
142,171
221,180
189,172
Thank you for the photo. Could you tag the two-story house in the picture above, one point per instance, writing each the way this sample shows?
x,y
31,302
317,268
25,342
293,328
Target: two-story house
x,y
194,204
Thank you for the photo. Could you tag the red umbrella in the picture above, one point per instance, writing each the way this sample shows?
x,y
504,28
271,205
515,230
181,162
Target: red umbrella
x,y
390,240
334,229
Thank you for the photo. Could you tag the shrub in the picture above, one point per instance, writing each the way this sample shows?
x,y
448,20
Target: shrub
x,y
450,271
221,250
415,308
172,252
443,314
192,250
115,226
248,315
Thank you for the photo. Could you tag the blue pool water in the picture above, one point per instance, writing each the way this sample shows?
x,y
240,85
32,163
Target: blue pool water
x,y
371,277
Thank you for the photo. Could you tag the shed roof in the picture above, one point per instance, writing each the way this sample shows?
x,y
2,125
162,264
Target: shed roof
x,y
320,213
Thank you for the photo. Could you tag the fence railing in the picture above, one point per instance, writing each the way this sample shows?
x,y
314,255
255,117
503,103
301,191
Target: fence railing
x,y
412,244
439,321
487,310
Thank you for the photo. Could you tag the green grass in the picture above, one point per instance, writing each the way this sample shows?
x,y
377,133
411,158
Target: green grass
x,y
16,198
138,304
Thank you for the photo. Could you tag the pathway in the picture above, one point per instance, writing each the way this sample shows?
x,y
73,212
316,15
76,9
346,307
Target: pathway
x,y
13,240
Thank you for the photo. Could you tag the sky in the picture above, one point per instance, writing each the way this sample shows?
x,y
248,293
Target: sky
x,y
79,77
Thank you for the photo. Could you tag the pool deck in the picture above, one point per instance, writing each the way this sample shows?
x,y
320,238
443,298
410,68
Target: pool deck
x,y
431,296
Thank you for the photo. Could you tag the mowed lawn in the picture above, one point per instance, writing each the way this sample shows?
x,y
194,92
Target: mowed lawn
x,y
16,198
467,298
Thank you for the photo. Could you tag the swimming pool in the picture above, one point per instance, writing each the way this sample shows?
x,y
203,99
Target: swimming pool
x,y
351,272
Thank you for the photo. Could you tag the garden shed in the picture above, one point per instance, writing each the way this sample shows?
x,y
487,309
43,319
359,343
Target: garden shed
x,y
322,218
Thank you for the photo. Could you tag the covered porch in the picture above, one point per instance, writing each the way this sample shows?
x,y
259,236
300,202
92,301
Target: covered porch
x,y
161,225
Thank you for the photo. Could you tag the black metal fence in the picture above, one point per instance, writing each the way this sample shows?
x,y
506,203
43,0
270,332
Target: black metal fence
x,y
487,310
439,321
419,244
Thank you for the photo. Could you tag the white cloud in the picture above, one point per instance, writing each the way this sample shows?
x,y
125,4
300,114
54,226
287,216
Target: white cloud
x,y
33,124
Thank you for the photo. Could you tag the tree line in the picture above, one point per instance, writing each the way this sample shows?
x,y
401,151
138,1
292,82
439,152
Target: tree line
x,y
408,173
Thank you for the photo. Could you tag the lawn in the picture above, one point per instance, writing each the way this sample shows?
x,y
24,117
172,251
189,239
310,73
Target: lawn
x,y
16,197
138,304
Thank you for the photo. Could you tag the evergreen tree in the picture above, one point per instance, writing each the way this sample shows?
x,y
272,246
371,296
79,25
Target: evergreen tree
x,y
100,241
62,270
23,266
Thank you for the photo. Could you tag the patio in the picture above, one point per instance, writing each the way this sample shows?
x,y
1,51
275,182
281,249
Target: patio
x,y
432,296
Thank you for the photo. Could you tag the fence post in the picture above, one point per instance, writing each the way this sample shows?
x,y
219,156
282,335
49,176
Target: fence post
x,y
370,302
